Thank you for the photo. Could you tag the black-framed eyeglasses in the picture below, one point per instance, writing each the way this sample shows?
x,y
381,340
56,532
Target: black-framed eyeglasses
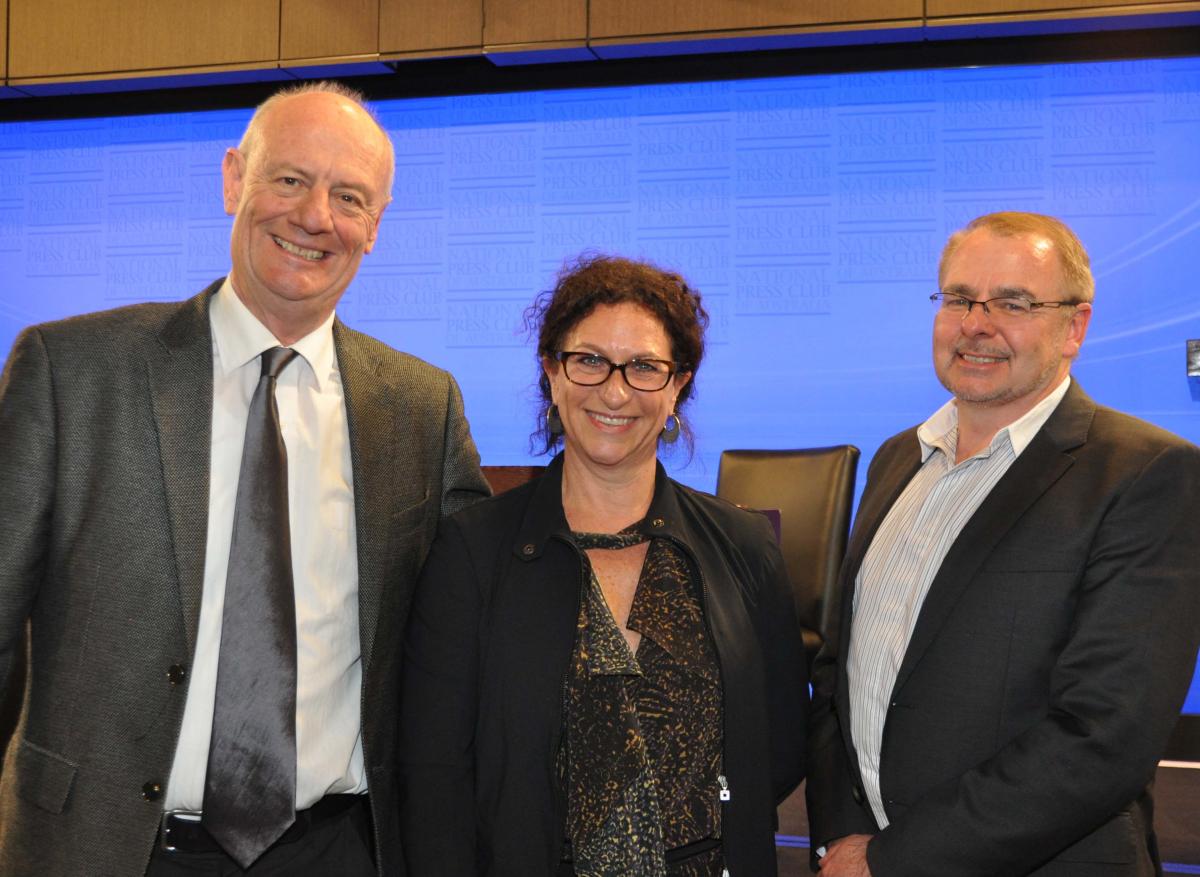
x,y
1005,307
591,369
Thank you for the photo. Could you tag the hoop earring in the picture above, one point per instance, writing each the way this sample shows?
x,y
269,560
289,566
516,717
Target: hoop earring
x,y
670,430
554,424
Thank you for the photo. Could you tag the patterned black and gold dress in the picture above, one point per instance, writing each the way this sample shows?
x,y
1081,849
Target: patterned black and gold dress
x,y
641,760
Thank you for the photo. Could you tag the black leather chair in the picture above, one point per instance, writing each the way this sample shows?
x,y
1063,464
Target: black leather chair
x,y
813,489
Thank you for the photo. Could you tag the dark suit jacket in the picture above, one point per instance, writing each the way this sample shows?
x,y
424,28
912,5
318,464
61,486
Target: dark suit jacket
x,y
1047,667
104,425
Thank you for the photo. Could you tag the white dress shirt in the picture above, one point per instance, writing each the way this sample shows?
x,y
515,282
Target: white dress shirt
x,y
312,414
904,557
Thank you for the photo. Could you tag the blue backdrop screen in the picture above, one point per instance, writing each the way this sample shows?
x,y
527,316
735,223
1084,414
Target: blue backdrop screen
x,y
809,210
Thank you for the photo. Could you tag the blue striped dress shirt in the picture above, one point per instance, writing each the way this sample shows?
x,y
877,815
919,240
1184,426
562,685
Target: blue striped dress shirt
x,y
904,557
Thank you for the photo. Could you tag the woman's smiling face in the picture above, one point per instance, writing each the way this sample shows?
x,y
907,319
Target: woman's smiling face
x,y
611,424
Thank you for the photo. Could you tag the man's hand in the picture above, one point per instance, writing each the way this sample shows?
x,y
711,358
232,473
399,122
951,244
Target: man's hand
x,y
847,857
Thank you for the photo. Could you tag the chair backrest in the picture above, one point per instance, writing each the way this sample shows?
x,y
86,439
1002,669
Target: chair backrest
x,y
813,489
502,478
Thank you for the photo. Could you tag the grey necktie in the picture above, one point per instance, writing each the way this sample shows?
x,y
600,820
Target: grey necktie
x,y
250,786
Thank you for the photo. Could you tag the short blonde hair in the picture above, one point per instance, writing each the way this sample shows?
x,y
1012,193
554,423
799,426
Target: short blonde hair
x,y
1076,266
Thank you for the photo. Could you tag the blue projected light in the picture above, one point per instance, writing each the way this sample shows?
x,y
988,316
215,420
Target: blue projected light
x,y
809,210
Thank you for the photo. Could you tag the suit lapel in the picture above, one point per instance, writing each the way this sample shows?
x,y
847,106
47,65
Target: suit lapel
x,y
371,415
877,500
179,374
1041,464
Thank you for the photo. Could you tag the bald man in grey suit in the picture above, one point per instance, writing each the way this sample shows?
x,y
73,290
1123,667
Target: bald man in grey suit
x,y
115,508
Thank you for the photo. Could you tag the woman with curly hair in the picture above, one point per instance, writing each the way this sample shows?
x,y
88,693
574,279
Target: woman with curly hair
x,y
603,674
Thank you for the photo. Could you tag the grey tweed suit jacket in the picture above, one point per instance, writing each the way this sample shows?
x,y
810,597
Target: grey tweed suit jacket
x,y
104,476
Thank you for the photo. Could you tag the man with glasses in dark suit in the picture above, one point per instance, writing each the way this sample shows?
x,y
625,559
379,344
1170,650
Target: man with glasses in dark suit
x,y
1019,604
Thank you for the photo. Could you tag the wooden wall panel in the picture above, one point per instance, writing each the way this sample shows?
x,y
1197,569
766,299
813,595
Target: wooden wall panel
x,y
939,8
68,37
3,73
430,25
508,22
616,18
328,28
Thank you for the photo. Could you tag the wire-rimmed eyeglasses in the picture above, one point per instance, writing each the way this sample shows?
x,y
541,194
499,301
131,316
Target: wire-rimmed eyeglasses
x,y
1004,307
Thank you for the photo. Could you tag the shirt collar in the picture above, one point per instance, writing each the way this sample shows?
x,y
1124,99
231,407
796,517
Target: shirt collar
x,y
940,431
240,337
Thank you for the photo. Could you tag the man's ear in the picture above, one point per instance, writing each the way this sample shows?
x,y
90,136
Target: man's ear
x,y
374,234
1077,329
233,179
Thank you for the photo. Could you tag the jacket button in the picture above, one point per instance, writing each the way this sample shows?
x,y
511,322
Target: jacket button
x,y
657,522
527,550
858,795
152,791
176,674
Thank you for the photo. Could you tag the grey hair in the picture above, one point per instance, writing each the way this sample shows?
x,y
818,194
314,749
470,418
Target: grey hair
x,y
1076,267
251,136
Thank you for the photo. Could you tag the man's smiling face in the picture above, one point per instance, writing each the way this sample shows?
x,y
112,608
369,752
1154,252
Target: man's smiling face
x,y
306,201
1012,366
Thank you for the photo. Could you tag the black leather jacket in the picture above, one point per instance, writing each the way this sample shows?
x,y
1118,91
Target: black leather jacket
x,y
486,662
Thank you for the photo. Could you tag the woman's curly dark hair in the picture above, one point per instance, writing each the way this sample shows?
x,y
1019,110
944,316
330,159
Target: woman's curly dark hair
x,y
593,280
